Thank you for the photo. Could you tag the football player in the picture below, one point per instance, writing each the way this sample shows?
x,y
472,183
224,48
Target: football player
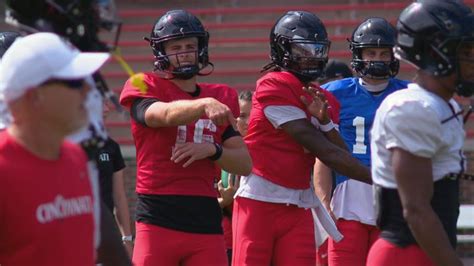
x,y
272,219
184,132
373,62
418,136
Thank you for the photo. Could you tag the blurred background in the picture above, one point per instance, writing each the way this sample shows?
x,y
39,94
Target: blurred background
x,y
239,35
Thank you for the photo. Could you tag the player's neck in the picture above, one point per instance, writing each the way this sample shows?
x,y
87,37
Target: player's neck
x,y
42,142
379,86
374,82
188,85
443,86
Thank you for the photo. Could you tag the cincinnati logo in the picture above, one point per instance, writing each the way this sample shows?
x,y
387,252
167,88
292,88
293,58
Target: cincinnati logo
x,y
62,208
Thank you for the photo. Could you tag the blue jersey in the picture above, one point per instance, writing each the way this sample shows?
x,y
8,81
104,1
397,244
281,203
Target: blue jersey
x,y
357,112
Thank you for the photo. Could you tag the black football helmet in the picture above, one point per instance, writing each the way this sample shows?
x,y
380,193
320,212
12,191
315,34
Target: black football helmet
x,y
299,43
430,34
6,39
373,33
178,24
79,21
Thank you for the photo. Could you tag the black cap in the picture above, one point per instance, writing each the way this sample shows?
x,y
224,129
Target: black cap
x,y
336,69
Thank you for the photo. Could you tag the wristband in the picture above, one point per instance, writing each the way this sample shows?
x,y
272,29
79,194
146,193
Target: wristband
x,y
327,127
218,153
127,238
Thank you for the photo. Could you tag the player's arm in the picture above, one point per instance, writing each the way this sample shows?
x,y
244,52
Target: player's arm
x,y
111,251
415,187
333,136
232,156
235,156
121,208
303,132
322,180
155,113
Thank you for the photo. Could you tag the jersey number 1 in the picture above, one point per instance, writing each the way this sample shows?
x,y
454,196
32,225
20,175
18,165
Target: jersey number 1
x,y
359,147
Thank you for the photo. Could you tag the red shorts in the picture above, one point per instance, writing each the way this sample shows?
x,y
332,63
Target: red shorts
x,y
272,234
354,247
322,254
155,245
387,254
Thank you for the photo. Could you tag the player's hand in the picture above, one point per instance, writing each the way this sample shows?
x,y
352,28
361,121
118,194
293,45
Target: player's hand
x,y
219,113
129,247
319,106
192,152
227,194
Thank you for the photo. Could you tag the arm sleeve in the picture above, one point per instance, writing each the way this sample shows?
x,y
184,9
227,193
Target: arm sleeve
x,y
413,128
278,115
139,107
229,133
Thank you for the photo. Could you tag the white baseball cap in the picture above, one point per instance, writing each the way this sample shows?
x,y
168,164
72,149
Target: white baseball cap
x,y
36,58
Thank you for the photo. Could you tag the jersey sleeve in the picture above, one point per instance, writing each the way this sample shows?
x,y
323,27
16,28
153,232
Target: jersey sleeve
x,y
138,86
279,115
412,127
274,92
117,158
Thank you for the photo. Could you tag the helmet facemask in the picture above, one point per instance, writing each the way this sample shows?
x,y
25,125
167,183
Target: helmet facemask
x,y
374,32
181,71
465,68
174,26
374,69
299,44
305,58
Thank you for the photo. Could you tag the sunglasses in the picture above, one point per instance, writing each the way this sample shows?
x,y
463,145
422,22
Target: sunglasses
x,y
75,84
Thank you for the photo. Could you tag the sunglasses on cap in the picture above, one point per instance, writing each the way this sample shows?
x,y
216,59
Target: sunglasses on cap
x,y
75,84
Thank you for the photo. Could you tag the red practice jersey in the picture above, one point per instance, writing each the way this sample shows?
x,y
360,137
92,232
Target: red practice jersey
x,y
276,155
156,173
46,207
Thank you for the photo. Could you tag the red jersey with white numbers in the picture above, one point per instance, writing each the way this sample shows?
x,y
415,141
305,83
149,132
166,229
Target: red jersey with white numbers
x,y
156,173
276,155
46,207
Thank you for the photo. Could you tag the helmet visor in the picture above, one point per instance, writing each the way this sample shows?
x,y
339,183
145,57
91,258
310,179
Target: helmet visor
x,y
309,49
